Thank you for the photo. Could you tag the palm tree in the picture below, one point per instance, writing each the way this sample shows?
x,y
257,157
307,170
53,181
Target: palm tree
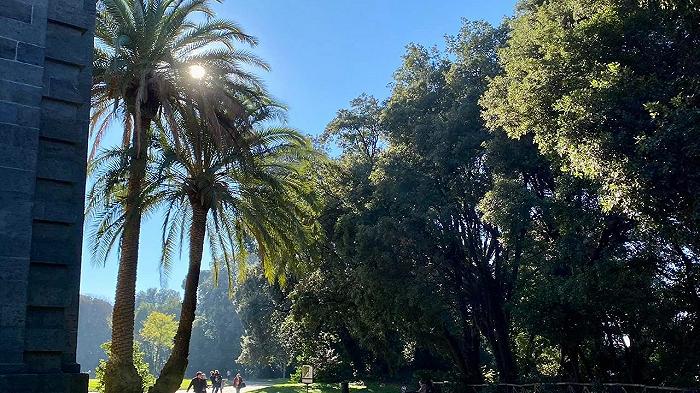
x,y
146,52
250,193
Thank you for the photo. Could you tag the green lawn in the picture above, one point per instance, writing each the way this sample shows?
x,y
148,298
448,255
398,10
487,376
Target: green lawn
x,y
92,384
329,388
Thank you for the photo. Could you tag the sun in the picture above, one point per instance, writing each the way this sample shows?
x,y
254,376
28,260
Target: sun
x,y
197,71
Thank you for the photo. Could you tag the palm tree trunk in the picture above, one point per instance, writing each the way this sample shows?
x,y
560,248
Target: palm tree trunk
x,y
174,370
120,374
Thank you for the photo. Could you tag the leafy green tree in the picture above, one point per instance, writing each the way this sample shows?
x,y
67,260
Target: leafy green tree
x,y
357,131
429,186
144,54
157,333
263,308
165,301
217,330
609,89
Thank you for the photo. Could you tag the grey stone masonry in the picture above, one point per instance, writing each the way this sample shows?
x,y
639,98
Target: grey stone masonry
x,y
45,78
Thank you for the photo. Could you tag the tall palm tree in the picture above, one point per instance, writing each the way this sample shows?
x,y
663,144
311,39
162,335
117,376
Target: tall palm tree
x,y
144,58
250,193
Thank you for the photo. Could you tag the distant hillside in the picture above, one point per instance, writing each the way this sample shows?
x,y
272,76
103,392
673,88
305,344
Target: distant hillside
x,y
93,330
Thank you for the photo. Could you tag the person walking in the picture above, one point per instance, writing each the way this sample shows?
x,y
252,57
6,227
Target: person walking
x,y
238,382
199,383
216,382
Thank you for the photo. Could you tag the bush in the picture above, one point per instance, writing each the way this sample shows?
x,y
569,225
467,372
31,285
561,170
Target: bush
x,y
139,362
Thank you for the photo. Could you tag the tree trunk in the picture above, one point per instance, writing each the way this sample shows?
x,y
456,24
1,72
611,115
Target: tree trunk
x,y
493,324
120,374
174,370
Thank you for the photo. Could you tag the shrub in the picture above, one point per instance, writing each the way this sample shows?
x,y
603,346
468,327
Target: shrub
x,y
139,362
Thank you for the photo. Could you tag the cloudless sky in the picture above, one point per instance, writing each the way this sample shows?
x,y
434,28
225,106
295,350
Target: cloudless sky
x,y
323,53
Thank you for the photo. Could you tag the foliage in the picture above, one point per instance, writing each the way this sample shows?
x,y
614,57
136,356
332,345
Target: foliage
x,y
93,330
262,308
166,301
139,362
217,329
526,212
607,90
157,333
144,55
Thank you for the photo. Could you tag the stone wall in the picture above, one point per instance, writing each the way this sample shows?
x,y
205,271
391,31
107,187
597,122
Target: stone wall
x,y
45,56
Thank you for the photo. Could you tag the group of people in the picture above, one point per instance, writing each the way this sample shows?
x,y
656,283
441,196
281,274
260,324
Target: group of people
x,y
424,386
199,383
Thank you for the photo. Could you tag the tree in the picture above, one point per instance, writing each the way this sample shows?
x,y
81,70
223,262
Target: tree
x,y
157,333
93,330
609,88
357,131
253,192
165,301
217,329
263,309
143,56
429,186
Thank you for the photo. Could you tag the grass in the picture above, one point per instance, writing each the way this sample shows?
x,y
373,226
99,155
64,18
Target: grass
x,y
92,384
329,388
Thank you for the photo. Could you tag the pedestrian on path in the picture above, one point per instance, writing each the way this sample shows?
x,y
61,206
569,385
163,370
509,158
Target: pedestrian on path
x,y
199,383
238,383
216,382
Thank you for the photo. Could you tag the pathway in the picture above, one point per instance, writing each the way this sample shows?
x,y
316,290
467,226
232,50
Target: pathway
x,y
250,386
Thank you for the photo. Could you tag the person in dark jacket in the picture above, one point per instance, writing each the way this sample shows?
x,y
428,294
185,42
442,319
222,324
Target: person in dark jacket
x,y
216,382
199,383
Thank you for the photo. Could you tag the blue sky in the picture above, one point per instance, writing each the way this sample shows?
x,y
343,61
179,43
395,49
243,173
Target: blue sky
x,y
323,53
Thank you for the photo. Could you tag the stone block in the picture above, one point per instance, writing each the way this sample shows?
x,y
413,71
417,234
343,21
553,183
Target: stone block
x,y
16,10
44,362
18,147
13,269
72,13
64,89
8,48
56,202
68,45
47,286
47,190
60,161
30,54
12,315
16,181
21,115
19,93
25,74
12,344
55,243
45,317
18,30
45,340
15,219
13,291
16,382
